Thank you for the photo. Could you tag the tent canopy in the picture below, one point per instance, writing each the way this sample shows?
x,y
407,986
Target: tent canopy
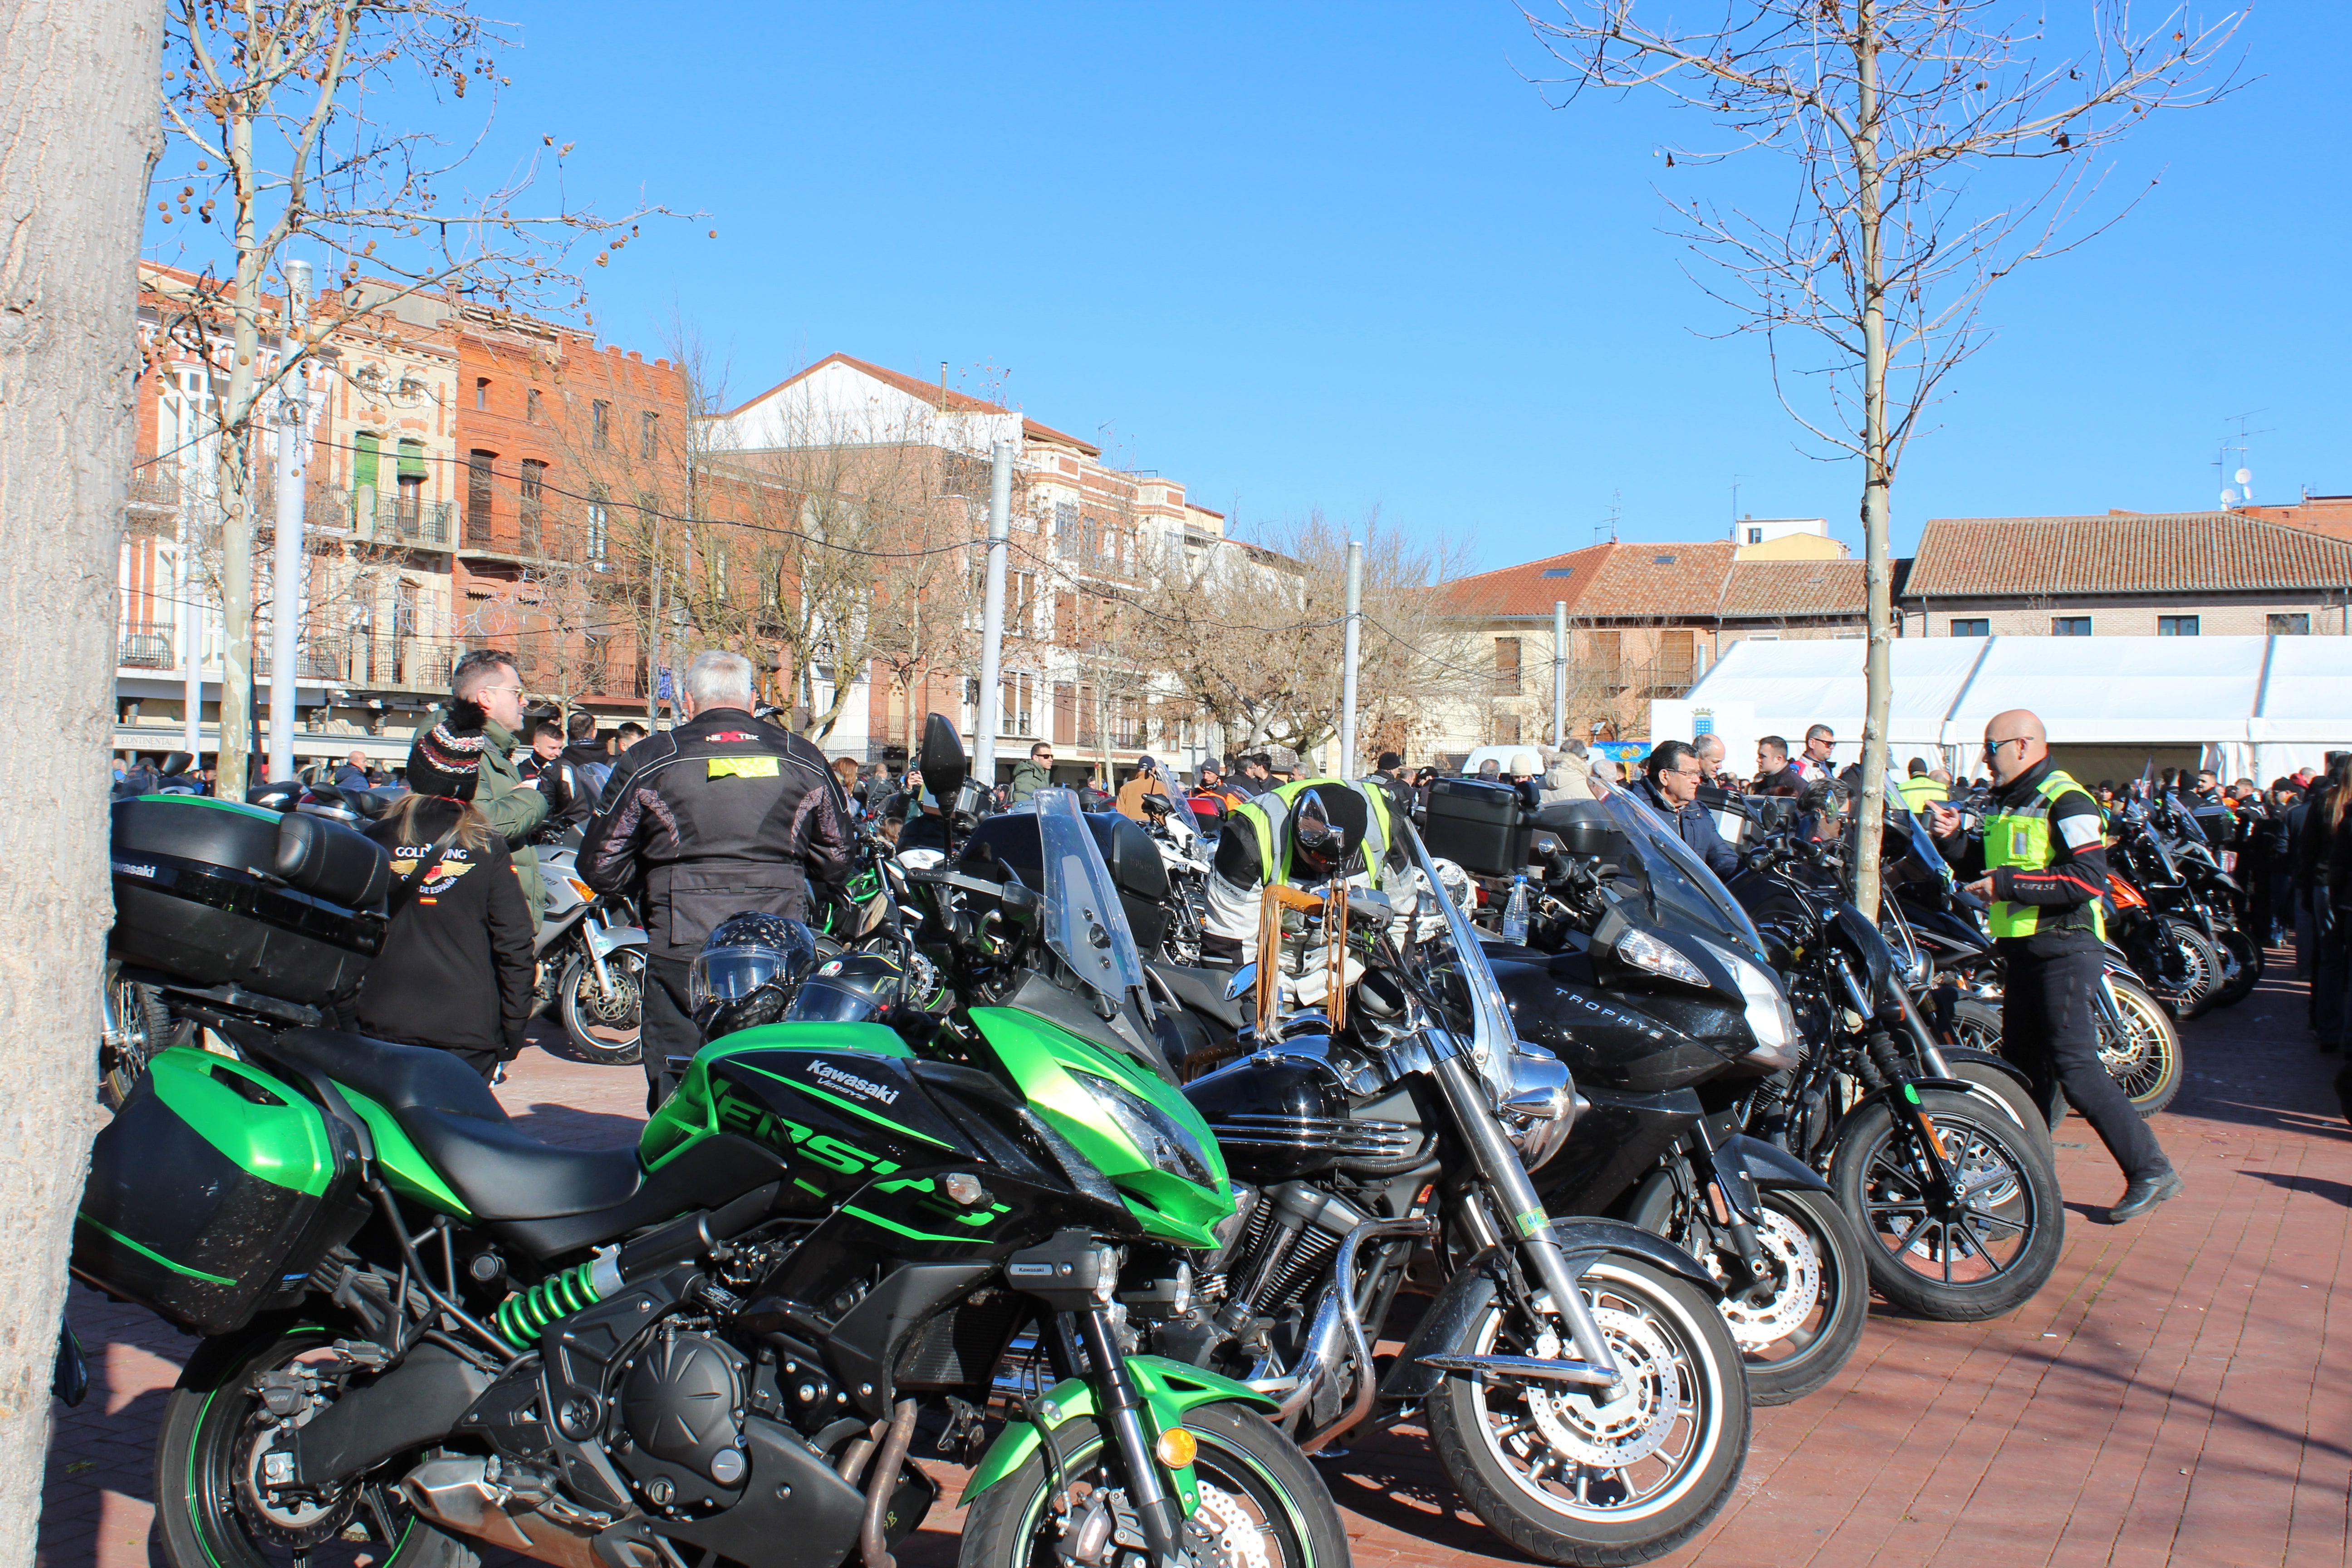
x,y
2259,707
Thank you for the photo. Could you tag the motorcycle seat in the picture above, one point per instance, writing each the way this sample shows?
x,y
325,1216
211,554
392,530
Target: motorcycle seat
x,y
498,1170
1202,991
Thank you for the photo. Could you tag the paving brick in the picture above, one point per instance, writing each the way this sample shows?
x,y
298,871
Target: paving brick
x,y
2210,1339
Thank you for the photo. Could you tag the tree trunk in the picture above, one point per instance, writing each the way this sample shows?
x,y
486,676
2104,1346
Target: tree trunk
x,y
78,134
237,476
1877,472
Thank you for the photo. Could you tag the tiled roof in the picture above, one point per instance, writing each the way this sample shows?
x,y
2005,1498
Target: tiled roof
x,y
1532,588
2125,552
1770,588
945,398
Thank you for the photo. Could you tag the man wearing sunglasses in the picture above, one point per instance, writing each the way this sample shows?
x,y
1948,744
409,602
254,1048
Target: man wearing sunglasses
x,y
2042,860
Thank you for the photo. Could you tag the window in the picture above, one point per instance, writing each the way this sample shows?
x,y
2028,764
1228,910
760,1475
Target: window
x,y
600,425
2070,626
2290,626
1754,536
596,524
478,499
649,433
411,504
1977,627
2176,625
1662,559
1507,666
1066,529
1507,729
482,392
535,474
1559,572
532,409
366,451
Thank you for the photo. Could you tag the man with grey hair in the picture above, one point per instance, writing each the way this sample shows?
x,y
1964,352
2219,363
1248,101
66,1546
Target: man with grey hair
x,y
1710,750
722,815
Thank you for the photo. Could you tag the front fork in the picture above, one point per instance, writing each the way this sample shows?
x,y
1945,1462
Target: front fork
x,y
1120,1410
1523,1210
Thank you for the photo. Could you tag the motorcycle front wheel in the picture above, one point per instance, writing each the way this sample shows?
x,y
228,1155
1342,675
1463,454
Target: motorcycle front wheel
x,y
1261,1504
1797,1339
604,1028
1591,1477
2192,969
2141,1050
209,1508
2242,966
1985,1252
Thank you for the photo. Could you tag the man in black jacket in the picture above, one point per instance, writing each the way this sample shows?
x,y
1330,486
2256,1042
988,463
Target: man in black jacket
x,y
574,779
1669,785
719,815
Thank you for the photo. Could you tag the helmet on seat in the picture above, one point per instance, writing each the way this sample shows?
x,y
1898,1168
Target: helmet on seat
x,y
1324,832
853,988
748,969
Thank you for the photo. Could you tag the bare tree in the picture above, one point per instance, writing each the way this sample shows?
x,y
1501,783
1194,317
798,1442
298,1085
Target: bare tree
x,y
265,106
76,140
1914,127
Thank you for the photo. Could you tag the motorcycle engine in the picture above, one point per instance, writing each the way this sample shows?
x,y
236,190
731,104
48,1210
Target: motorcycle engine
x,y
681,1424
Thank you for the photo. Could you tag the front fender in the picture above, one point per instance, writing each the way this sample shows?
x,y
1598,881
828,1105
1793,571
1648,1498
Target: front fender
x,y
1894,1092
1770,1167
1169,1389
1989,1059
1586,1241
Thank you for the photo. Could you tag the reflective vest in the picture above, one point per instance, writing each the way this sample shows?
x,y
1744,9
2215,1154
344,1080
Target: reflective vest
x,y
1267,816
2019,836
1919,794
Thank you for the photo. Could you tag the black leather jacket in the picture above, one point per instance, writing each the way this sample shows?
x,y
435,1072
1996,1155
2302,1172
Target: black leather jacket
x,y
723,814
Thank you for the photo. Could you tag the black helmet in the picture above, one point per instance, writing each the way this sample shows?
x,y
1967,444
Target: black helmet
x,y
850,989
1323,834
748,970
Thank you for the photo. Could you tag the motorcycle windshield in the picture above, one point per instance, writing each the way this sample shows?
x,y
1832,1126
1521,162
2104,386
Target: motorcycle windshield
x,y
1082,918
1681,892
1923,851
1492,1037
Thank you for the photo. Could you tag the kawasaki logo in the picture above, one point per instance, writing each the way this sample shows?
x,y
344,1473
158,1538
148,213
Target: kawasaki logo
x,y
124,868
850,1081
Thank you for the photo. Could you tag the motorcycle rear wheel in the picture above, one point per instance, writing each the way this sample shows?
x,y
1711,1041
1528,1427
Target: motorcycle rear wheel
x,y
204,1522
1992,1252
133,1025
2193,970
1261,1502
1679,1430
604,1030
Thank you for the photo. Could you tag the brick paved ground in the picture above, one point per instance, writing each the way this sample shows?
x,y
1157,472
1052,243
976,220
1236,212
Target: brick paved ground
x,y
2175,1394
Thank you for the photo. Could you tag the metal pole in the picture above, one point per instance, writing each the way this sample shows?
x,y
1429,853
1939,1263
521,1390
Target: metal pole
x,y
991,613
653,639
1348,676
293,465
192,640
1560,672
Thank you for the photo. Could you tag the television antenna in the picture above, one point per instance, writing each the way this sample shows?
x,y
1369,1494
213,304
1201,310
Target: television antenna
x,y
2237,478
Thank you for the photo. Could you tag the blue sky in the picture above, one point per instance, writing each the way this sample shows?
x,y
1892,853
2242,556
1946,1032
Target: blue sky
x,y
1344,257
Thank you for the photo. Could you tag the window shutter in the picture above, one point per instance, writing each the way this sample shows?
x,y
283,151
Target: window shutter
x,y
367,452
411,459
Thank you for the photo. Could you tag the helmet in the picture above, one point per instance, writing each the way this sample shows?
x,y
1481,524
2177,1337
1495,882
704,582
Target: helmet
x,y
1323,834
748,970
849,989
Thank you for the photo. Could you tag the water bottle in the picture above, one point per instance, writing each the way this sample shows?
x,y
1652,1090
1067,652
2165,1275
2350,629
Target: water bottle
x,y
1515,913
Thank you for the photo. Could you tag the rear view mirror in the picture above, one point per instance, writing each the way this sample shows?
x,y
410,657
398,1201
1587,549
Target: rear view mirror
x,y
1243,982
944,764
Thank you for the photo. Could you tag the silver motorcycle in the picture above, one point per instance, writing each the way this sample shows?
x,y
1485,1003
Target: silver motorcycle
x,y
592,962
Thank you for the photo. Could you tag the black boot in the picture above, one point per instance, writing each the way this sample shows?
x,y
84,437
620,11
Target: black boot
x,y
2142,1193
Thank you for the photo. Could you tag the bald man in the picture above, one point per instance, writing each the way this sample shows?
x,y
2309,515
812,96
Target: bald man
x,y
2043,862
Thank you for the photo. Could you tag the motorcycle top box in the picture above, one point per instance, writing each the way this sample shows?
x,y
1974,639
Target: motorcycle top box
x,y
212,893
261,1186
1476,825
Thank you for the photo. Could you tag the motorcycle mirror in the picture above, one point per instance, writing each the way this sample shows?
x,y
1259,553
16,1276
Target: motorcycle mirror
x,y
1369,907
944,764
1243,982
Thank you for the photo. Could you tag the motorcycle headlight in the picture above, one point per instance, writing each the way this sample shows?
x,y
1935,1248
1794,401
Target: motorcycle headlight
x,y
1643,950
1538,1106
1770,1020
1165,1142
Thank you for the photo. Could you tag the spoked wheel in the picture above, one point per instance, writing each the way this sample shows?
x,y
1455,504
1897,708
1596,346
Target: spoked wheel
x,y
2141,1048
211,1498
1981,1249
1795,1339
605,1026
1602,1475
1261,1504
133,1025
2242,966
2192,969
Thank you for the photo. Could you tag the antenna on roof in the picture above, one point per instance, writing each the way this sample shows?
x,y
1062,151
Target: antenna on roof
x,y
2237,478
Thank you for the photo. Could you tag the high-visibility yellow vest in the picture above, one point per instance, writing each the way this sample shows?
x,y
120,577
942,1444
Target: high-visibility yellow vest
x,y
2019,836
1920,792
1266,816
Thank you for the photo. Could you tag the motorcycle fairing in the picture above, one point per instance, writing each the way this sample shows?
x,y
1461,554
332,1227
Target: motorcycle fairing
x,y
1168,1389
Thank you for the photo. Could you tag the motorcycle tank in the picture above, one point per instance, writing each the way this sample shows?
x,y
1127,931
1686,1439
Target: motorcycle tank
x,y
211,893
843,1105
212,1193
1645,1042
1275,1118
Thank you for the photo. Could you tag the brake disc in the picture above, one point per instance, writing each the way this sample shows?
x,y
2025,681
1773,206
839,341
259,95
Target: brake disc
x,y
1789,1252
1586,1426
1239,1538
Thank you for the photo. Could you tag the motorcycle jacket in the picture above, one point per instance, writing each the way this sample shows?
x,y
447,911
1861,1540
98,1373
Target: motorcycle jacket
x,y
723,814
2044,844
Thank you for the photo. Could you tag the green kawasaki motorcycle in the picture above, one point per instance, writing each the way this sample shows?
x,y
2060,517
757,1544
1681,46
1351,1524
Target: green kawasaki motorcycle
x,y
425,1332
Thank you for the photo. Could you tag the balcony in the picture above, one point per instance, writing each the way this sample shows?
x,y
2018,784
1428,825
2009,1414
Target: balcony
x,y
152,505
316,659
401,519
400,663
147,645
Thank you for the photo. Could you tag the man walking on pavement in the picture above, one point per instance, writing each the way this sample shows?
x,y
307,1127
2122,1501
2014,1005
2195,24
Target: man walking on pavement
x,y
719,815
2043,862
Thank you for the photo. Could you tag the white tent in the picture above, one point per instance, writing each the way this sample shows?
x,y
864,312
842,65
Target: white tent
x,y
2253,707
